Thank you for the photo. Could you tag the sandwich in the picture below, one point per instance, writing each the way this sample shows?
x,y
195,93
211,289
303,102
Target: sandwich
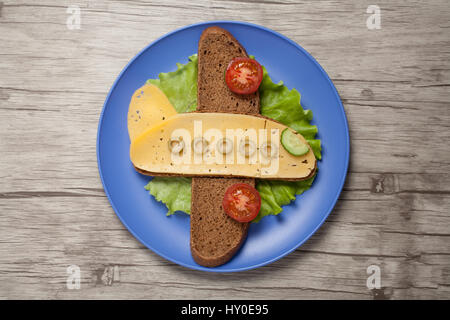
x,y
223,195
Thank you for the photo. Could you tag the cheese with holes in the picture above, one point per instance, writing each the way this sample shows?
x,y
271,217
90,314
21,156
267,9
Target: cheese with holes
x,y
149,106
219,144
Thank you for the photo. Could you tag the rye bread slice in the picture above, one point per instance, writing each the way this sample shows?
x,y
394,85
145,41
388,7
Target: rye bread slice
x,y
215,237
216,48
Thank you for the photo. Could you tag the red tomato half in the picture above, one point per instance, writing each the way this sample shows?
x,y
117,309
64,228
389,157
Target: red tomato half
x,y
243,75
242,202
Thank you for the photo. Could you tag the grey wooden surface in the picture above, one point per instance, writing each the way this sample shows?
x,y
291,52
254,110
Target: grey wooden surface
x,y
394,210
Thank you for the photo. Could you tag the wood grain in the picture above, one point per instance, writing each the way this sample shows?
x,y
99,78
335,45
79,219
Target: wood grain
x,y
394,211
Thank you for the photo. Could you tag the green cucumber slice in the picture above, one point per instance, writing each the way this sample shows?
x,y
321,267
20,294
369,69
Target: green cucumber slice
x,y
293,144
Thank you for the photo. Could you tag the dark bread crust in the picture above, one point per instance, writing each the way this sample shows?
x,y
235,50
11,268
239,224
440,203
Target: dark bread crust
x,y
215,237
160,174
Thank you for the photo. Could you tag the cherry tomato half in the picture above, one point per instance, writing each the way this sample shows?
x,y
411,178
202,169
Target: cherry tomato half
x,y
242,202
243,75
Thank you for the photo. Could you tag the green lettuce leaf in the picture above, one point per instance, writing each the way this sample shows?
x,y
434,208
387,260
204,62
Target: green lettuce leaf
x,y
277,102
180,86
277,193
283,105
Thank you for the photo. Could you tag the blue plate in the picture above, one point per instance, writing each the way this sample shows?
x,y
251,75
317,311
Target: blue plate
x,y
274,236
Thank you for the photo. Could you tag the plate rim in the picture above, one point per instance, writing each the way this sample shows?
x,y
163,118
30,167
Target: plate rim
x,y
347,142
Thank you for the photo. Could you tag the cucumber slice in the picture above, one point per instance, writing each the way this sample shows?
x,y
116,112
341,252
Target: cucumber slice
x,y
293,144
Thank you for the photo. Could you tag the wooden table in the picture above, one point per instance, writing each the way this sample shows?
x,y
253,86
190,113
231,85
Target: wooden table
x,y
394,212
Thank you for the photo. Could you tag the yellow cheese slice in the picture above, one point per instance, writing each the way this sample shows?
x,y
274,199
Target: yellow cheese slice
x,y
149,106
157,151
